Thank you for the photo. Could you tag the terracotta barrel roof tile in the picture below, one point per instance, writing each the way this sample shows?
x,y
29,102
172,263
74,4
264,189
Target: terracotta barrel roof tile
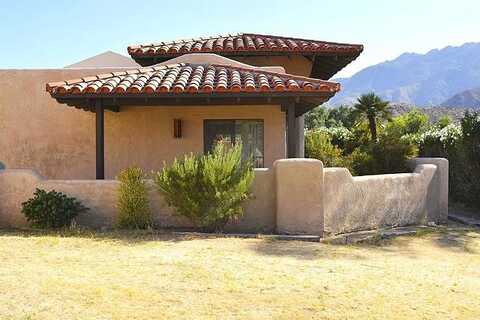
x,y
190,78
330,56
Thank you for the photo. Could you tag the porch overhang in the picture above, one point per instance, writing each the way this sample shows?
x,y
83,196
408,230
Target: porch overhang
x,y
193,85
304,102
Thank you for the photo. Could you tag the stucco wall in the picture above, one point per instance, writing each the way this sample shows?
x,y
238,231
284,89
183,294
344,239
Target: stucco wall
x,y
17,186
369,202
296,196
299,188
298,65
59,141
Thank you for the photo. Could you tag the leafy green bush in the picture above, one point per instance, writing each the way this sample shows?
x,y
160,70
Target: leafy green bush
x,y
471,135
321,116
133,204
208,189
460,144
51,209
410,123
443,121
388,155
318,145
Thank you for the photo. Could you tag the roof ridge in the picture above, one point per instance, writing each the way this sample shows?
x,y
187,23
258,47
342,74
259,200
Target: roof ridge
x,y
303,39
196,39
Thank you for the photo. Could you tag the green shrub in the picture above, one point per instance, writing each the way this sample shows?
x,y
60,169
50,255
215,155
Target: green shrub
x,y
318,145
133,205
208,189
321,116
388,155
443,121
460,144
51,209
410,123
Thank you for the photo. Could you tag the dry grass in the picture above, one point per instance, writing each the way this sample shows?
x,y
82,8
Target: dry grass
x,y
153,276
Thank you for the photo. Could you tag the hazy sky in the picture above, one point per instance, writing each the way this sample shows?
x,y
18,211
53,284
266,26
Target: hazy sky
x,y
50,34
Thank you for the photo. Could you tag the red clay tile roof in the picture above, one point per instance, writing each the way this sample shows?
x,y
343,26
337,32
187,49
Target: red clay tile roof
x,y
190,79
242,42
331,56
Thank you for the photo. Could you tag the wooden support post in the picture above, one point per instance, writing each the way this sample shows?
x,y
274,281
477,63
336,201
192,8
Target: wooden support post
x,y
291,132
100,140
300,128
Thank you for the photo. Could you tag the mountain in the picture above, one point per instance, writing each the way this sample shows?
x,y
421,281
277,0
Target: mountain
x,y
468,98
107,59
421,79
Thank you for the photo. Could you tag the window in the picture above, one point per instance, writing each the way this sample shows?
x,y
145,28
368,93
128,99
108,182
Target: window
x,y
248,132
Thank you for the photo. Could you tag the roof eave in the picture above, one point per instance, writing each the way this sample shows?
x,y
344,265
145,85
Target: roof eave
x,y
113,102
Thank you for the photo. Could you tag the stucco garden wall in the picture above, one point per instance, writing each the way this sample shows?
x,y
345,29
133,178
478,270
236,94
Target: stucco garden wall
x,y
17,186
58,141
296,196
369,202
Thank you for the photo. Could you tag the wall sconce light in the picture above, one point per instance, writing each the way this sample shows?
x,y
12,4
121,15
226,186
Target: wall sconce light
x,y
177,128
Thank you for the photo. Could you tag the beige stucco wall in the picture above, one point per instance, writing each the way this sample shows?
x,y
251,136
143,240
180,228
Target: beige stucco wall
x,y
17,186
296,196
298,65
369,202
59,141
299,188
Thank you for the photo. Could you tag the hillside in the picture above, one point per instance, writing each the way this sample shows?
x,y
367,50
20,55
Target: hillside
x,y
434,112
468,98
421,79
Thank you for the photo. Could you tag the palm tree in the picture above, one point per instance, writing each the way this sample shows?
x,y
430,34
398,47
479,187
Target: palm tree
x,y
372,107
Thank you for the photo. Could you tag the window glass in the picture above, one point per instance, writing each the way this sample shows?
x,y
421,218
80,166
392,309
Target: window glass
x,y
248,132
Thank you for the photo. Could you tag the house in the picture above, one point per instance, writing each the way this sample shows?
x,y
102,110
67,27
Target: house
x,y
157,119
187,95
247,87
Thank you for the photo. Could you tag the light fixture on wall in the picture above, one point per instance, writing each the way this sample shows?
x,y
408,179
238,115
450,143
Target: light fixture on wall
x,y
177,128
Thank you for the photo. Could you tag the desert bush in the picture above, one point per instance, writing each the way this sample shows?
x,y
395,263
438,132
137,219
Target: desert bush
x,y
388,155
407,126
460,144
318,145
51,209
471,135
339,136
321,116
208,189
440,142
443,121
133,204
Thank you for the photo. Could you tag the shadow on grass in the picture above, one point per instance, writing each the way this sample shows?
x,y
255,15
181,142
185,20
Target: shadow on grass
x,y
451,238
458,238
130,237
303,250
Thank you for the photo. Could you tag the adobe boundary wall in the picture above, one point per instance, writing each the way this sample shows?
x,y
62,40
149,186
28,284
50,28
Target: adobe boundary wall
x,y
296,196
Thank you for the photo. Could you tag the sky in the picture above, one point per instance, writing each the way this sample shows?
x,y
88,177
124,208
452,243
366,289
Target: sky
x,y
53,34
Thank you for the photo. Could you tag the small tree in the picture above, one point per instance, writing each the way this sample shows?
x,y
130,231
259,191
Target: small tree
x,y
133,205
208,189
372,107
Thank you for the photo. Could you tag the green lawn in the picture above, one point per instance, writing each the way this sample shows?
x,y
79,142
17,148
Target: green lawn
x,y
435,275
